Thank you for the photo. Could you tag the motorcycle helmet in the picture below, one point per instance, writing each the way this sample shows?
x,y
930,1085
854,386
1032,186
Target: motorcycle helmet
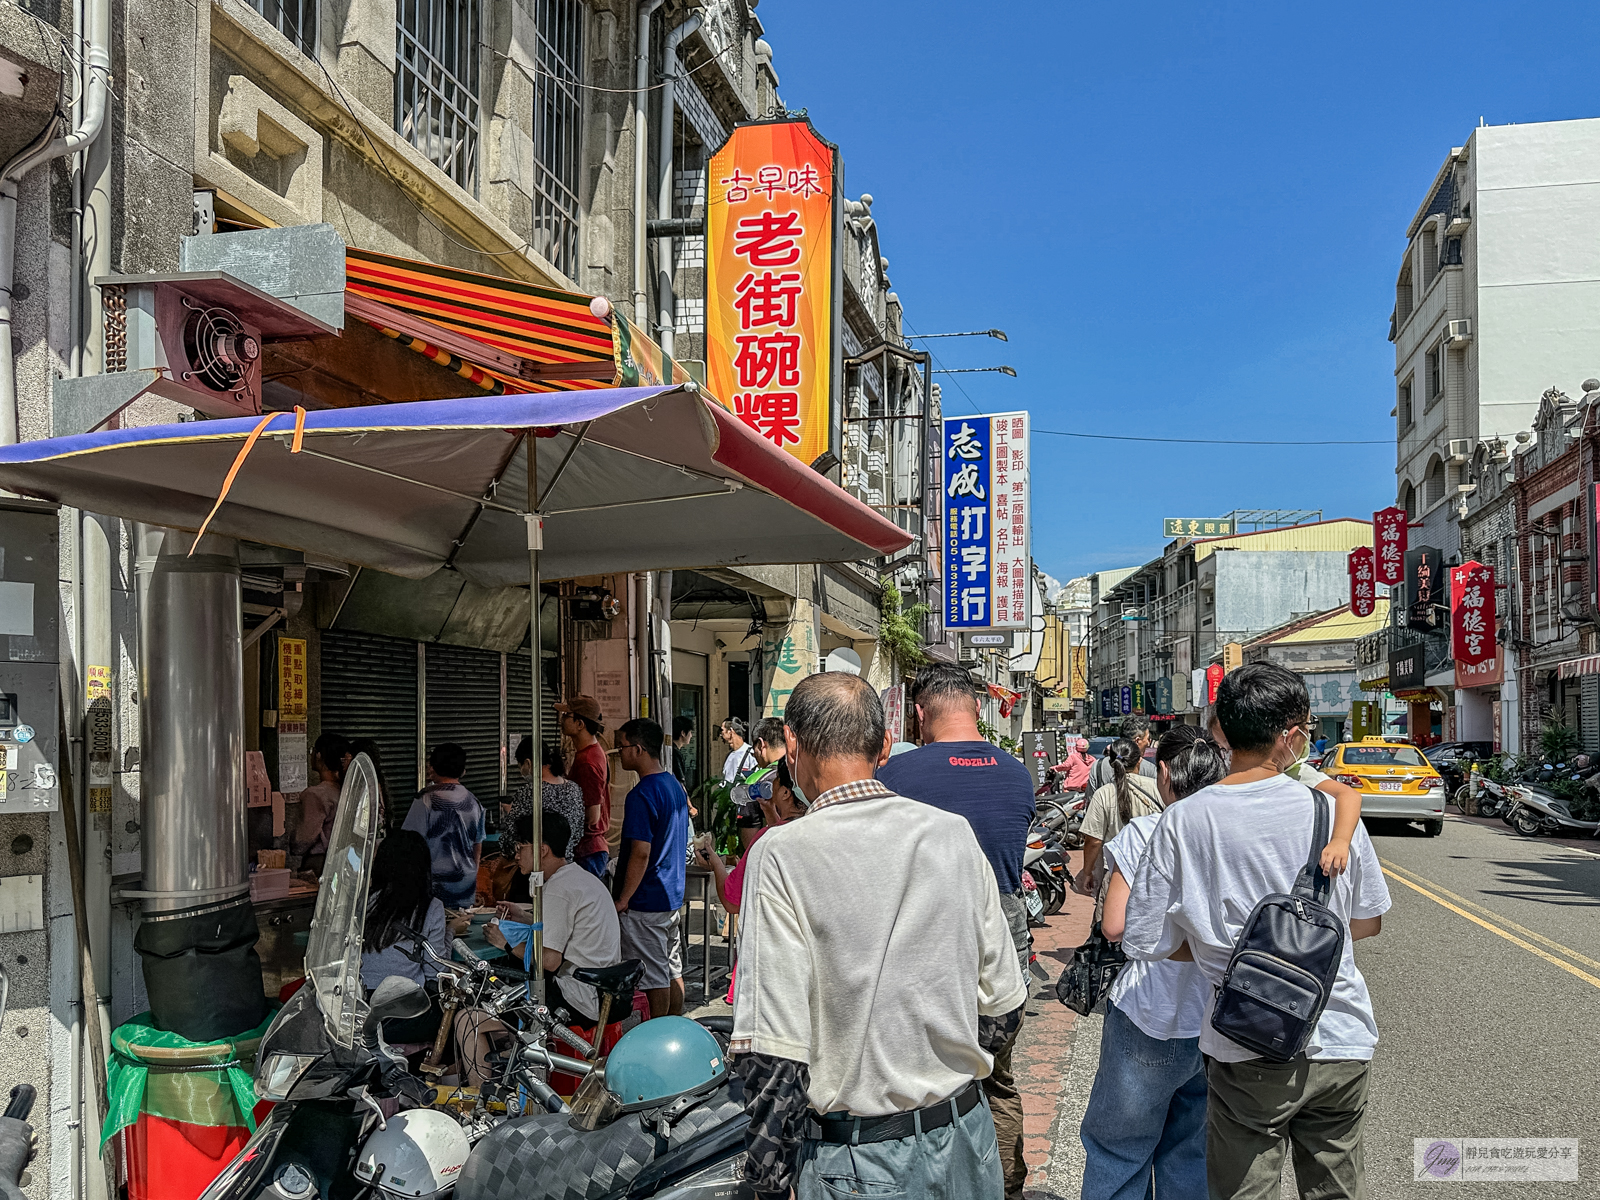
x,y
417,1155
657,1060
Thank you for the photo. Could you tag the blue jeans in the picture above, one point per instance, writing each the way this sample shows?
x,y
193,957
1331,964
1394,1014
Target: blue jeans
x,y
1146,1118
594,863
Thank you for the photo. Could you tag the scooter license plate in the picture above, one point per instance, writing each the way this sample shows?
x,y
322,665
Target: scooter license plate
x,y
1390,785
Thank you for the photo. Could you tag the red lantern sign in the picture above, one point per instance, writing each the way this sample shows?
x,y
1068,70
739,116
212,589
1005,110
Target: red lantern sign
x,y
1363,588
1473,641
1214,674
1389,544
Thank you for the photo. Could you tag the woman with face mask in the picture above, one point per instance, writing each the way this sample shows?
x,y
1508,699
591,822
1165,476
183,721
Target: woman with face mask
x,y
1145,1123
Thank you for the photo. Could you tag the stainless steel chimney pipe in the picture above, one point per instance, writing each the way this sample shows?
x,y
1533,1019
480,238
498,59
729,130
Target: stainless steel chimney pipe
x,y
191,699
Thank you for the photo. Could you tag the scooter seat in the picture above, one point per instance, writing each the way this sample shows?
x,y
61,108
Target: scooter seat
x,y
618,980
542,1157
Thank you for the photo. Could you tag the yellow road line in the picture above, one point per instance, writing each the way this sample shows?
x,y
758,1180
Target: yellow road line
x,y
1592,980
1494,916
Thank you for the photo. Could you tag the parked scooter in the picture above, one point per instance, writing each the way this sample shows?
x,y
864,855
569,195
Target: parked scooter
x,y
1533,808
1044,866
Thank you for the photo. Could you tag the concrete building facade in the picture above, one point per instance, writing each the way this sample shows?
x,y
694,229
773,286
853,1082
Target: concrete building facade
x,y
1497,297
531,141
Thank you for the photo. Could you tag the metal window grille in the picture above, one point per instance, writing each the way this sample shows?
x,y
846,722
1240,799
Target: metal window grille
x,y
557,122
295,19
436,84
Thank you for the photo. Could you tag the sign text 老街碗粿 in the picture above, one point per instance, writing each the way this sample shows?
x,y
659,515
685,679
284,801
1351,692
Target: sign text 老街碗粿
x,y
770,283
987,577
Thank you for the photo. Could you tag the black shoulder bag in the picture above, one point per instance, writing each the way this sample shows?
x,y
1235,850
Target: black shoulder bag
x,y
1089,976
1285,962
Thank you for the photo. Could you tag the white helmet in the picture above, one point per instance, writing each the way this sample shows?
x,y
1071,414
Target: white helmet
x,y
418,1155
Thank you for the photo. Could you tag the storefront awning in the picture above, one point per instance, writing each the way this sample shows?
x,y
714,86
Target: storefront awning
x,y
501,334
1574,667
630,479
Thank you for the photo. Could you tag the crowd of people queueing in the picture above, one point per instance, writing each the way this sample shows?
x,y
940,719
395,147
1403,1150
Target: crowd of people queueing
x,y
884,944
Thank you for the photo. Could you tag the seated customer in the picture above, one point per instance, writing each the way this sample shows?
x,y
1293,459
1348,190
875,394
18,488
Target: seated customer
x,y
402,906
580,930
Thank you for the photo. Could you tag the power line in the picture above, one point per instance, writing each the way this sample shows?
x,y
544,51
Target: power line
x,y
1113,437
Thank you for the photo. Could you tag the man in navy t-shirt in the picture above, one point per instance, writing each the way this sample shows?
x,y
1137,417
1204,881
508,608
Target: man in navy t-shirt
x,y
655,829
957,770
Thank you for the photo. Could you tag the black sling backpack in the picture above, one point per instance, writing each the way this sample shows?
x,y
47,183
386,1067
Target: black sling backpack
x,y
1285,962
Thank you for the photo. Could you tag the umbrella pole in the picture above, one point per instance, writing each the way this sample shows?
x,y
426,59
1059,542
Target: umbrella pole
x,y
536,880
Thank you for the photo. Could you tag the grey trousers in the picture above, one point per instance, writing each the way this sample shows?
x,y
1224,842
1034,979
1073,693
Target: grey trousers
x,y
959,1161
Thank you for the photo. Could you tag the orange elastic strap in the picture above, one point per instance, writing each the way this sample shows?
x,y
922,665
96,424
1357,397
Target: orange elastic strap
x,y
233,473
299,430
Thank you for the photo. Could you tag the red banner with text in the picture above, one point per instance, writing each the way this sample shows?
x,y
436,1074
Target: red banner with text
x,y
1473,641
1363,590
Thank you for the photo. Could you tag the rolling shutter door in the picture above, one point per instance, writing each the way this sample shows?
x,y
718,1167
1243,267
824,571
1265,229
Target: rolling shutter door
x,y
369,689
519,717
463,689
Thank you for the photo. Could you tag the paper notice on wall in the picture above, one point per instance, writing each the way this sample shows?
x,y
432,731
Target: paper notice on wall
x,y
291,757
605,677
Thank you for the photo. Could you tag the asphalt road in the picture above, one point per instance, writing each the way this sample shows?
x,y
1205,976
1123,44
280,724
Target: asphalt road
x,y
1486,985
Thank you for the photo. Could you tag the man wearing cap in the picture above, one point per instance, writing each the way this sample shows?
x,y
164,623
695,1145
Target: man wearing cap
x,y
582,724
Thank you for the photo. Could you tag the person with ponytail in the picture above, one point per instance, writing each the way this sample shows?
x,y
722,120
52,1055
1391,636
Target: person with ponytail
x,y
1145,1124
1130,794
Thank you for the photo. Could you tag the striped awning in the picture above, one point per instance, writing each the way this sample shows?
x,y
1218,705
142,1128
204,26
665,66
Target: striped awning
x,y
501,334
1573,667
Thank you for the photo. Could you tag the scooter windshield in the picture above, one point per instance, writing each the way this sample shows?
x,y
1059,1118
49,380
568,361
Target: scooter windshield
x,y
333,949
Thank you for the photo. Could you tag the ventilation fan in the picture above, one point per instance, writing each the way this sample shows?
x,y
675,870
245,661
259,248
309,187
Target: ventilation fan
x,y
203,331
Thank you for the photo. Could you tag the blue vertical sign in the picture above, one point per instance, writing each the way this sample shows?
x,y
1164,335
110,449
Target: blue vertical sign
x,y
1127,699
987,570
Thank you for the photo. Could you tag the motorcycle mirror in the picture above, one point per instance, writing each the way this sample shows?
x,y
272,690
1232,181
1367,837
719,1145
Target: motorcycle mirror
x,y
396,997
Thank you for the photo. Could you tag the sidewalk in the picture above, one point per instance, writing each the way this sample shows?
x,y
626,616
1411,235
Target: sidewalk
x,y
1053,1043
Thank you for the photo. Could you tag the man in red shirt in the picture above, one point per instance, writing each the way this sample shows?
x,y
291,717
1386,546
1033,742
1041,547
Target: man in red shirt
x,y
582,724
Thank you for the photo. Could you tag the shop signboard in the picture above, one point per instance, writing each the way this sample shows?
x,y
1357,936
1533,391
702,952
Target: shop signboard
x,y
1366,719
1079,687
1407,668
292,679
1198,688
1180,693
1214,674
1594,549
1127,700
1423,587
986,563
1163,695
1474,643
1138,696
1057,704
1389,526
1176,527
1363,587
1108,702
1040,752
772,282
894,711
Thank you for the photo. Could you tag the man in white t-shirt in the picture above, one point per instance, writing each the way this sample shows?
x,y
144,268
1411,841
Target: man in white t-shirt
x,y
580,918
877,977
1210,860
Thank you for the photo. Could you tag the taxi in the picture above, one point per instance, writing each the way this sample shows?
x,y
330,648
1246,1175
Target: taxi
x,y
1395,779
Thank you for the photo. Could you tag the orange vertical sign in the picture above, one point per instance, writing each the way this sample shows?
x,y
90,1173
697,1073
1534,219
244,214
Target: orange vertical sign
x,y
292,703
769,283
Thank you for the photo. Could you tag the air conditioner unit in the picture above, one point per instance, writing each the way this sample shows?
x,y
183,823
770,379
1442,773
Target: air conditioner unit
x,y
203,332
1459,449
1458,333
1501,452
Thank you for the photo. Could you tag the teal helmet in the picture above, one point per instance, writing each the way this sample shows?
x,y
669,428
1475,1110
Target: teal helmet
x,y
659,1059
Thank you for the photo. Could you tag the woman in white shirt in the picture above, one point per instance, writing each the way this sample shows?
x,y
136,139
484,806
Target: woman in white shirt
x,y
1146,1118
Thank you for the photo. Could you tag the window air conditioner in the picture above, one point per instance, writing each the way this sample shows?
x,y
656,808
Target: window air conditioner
x,y
1460,449
1458,333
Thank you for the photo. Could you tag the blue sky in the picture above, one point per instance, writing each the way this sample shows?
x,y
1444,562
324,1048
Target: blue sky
x,y
1187,219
